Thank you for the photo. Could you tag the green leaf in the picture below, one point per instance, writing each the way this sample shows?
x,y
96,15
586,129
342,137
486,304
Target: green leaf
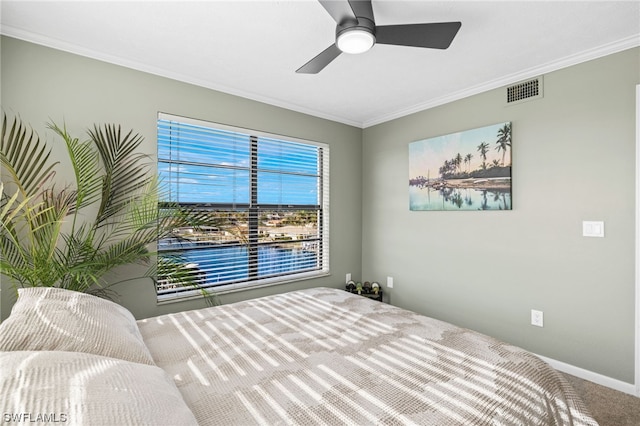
x,y
24,157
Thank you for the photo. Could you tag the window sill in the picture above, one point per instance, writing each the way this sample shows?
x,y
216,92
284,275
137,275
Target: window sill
x,y
195,294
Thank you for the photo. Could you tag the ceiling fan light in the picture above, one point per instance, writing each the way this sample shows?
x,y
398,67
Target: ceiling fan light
x,y
355,41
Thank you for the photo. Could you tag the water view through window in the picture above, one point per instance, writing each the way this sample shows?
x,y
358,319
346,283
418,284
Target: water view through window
x,y
261,200
227,264
217,255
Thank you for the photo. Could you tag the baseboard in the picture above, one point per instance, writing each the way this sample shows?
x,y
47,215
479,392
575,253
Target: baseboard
x,y
592,377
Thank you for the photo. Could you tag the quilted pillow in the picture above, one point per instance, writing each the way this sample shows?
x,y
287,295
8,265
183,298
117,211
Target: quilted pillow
x,y
84,389
55,319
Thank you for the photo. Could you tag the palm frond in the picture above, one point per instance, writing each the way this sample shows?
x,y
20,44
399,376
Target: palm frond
x,y
24,157
125,174
10,207
46,241
124,252
84,161
22,223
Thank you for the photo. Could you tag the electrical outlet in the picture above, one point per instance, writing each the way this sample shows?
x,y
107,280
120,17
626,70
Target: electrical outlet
x,y
537,318
348,278
389,282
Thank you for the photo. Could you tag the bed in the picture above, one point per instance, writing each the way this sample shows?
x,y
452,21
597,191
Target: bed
x,y
316,356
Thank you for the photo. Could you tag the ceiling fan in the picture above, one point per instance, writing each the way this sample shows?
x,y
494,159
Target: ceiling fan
x,y
356,32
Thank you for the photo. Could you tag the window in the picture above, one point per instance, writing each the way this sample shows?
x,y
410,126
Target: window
x,y
265,198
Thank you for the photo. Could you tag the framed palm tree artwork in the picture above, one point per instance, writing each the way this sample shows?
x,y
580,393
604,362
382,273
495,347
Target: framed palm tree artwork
x,y
468,170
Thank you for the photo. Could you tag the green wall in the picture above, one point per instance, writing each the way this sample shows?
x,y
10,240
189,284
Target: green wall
x,y
573,160
42,84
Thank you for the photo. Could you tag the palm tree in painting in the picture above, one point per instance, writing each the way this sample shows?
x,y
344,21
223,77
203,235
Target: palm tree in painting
x,y
467,160
504,139
458,161
483,148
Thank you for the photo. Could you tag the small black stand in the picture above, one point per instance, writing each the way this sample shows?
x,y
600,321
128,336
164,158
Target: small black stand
x,y
371,295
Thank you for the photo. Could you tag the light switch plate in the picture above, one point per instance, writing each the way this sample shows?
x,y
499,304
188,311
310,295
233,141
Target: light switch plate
x,y
592,228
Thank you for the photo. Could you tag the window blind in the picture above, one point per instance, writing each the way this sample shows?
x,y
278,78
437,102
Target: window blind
x,y
265,198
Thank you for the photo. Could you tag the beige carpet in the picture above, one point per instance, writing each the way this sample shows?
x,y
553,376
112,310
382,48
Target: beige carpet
x,y
609,407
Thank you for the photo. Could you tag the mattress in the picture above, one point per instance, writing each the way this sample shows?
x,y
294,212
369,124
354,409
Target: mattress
x,y
325,356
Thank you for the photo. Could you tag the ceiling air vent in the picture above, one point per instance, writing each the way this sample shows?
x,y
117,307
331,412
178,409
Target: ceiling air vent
x,y
524,91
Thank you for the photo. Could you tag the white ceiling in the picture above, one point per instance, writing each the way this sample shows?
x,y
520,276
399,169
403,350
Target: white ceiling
x,y
252,49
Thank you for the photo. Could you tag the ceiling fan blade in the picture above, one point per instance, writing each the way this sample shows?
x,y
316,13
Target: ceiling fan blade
x,y
362,9
436,35
323,59
340,10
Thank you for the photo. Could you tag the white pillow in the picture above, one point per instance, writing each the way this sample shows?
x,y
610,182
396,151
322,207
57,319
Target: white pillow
x,y
73,388
55,319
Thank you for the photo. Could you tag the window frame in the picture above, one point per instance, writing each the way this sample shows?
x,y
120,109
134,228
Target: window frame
x,y
253,210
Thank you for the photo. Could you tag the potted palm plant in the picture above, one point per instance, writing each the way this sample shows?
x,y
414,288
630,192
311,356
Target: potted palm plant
x,y
72,234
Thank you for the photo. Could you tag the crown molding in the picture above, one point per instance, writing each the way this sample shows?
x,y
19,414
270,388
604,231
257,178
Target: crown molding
x,y
587,55
64,46
598,52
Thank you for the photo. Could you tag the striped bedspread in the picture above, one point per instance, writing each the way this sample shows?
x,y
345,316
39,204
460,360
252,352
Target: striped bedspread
x,y
324,356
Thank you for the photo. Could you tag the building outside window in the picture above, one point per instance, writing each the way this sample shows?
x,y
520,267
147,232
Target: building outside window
x,y
265,200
